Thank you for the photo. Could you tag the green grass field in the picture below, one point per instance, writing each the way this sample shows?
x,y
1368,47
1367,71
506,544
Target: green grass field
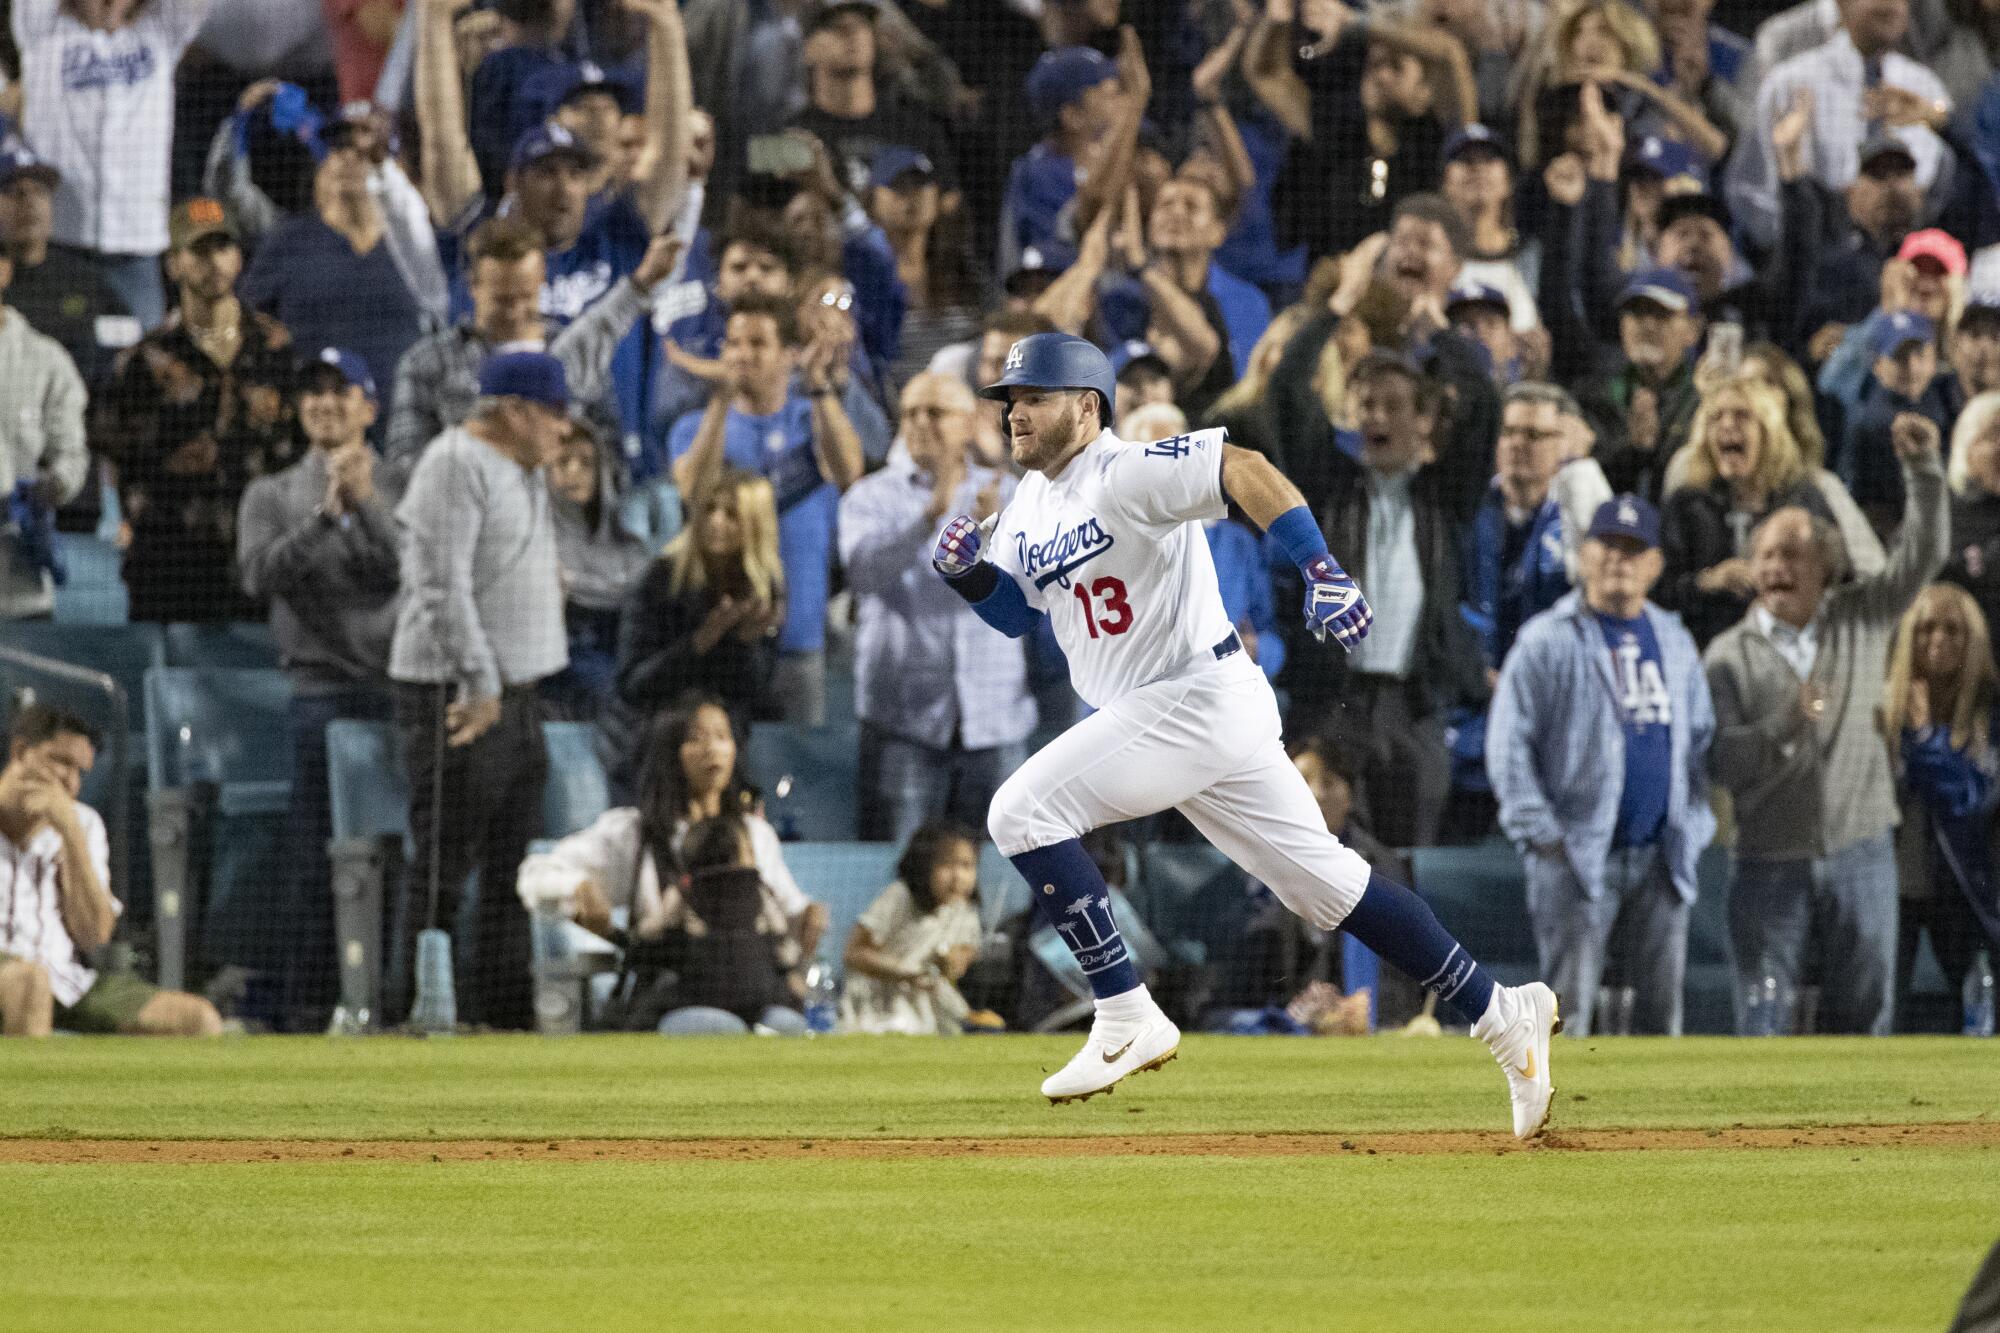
x,y
1827,1239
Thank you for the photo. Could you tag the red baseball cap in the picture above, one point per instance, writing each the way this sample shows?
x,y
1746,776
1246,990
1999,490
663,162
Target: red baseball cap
x,y
1939,246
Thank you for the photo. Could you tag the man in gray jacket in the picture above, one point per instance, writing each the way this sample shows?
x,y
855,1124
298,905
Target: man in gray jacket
x,y
318,540
43,459
1597,745
1796,686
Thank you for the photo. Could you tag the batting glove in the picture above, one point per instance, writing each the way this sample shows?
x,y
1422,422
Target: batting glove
x,y
1334,605
958,548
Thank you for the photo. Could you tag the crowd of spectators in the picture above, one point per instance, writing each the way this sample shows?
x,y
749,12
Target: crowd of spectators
x,y
613,360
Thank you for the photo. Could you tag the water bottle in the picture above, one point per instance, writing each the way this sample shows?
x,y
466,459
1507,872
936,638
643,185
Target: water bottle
x,y
820,1008
1760,1007
1979,997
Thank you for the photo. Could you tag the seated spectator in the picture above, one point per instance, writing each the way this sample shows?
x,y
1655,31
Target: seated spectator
x,y
705,614
1601,775
97,75
909,949
1398,86
310,268
856,114
437,382
614,876
1515,564
600,563
195,411
933,258
55,290
1938,717
806,444
318,542
1642,410
1479,182
1975,504
56,899
1092,109
43,459
1904,379
734,945
942,697
1742,464
1796,685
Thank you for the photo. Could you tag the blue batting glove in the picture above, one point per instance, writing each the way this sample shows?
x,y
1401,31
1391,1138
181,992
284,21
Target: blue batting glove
x,y
1334,604
958,548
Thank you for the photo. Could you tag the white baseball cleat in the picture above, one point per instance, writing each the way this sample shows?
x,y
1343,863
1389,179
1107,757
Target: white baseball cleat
x,y
1516,1027
1115,1048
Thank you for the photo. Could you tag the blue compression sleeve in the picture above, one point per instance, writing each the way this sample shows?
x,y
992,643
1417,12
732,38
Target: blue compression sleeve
x,y
1297,532
996,599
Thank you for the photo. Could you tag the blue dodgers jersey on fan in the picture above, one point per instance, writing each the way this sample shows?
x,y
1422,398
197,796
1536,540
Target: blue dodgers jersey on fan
x,y
1647,712
1113,549
779,447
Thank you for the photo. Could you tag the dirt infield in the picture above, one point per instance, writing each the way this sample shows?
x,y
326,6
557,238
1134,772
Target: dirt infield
x,y
100,1152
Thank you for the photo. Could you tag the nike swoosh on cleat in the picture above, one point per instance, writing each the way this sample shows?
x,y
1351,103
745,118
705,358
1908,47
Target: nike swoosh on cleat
x,y
1112,1057
1528,1069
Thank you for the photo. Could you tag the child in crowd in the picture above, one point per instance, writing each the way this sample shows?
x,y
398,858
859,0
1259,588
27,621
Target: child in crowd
x,y
916,939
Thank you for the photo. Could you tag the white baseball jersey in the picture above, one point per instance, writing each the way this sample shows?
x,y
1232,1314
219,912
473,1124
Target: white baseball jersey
x,y
1114,551
31,924
99,107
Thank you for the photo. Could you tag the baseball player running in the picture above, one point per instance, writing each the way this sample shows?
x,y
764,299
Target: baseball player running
x,y
1105,537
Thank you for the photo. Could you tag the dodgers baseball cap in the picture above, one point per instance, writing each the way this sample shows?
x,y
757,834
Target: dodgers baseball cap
x,y
567,83
1896,331
195,220
536,377
1940,247
1878,152
1065,74
895,161
1668,288
550,140
314,371
1669,159
1467,294
1475,138
1626,518
18,160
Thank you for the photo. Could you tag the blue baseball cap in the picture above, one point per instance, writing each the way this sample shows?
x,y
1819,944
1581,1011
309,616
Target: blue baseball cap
x,y
896,160
1668,159
1628,517
559,85
549,140
1895,332
1475,138
350,366
18,160
1477,293
1668,288
534,376
1065,74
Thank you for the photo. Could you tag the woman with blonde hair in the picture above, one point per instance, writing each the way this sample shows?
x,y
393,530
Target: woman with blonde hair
x,y
1938,716
1741,463
1614,45
705,614
1974,473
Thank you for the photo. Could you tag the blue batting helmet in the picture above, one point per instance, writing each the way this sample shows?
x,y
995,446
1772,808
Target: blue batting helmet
x,y
1056,361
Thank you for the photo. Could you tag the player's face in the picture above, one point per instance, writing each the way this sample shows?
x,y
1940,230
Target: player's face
x,y
1618,573
708,751
1394,434
1046,425
955,874
1786,566
507,298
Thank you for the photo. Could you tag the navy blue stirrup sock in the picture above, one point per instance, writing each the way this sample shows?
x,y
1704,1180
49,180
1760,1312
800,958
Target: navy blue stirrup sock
x,y
1400,926
1072,897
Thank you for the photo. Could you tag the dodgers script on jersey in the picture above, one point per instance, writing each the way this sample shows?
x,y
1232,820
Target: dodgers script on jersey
x,y
1111,550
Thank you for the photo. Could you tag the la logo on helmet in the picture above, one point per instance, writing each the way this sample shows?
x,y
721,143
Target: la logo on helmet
x,y
1015,355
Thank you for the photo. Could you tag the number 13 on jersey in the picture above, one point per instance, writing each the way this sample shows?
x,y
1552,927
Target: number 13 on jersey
x,y
1112,614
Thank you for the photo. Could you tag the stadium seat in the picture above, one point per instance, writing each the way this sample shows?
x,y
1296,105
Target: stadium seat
x,y
219,785
123,652
248,645
807,775
578,790
652,512
846,876
94,593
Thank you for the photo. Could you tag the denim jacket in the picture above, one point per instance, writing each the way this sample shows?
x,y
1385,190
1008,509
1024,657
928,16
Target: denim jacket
x,y
1555,744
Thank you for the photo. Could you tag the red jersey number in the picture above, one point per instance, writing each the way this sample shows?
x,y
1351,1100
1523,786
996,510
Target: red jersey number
x,y
1115,617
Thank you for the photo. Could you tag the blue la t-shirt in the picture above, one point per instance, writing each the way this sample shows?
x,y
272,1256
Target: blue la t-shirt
x,y
779,447
1647,712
